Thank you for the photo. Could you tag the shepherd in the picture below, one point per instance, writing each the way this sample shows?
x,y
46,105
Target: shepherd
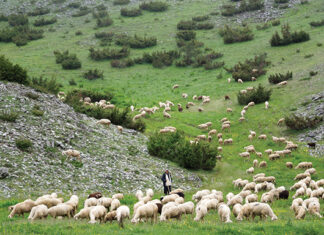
x,y
167,181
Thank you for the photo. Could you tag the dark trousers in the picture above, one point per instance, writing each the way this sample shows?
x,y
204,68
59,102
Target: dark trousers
x,y
167,190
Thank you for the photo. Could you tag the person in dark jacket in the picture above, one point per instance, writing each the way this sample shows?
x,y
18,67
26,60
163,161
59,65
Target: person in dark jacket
x,y
167,182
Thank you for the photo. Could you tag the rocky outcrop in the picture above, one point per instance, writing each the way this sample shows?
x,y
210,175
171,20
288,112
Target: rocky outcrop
x,y
111,161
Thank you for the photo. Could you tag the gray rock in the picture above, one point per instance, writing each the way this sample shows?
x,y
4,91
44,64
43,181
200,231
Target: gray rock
x,y
4,172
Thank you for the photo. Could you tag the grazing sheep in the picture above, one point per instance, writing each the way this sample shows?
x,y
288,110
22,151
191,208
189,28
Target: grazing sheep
x,y
187,207
263,210
314,208
171,212
110,216
313,185
284,194
226,97
61,210
268,151
250,149
201,137
149,193
49,202
280,121
72,153
318,192
139,194
250,170
246,211
274,156
184,95
38,212
226,126
236,199
300,192
106,122
175,86
311,171
224,213
122,213
253,133
200,109
229,110
250,137
289,165
301,176
245,193
105,201
146,211
84,213
249,186
298,185
237,209
245,155
251,198
229,196
295,204
255,163
120,129
228,141
266,104
169,198
262,137
259,175
166,115
219,135
251,104
179,200
304,165
271,179
97,212
263,164
243,113
118,196
74,201
198,195
90,202
241,119
301,212
201,211
240,81
282,83
114,204
22,207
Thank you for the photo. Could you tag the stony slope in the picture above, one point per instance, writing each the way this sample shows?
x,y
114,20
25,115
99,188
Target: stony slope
x,y
111,161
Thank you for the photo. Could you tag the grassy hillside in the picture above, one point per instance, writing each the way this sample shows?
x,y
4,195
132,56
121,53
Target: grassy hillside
x,y
145,86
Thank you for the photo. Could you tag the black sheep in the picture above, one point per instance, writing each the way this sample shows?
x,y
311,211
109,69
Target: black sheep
x,y
284,194
181,194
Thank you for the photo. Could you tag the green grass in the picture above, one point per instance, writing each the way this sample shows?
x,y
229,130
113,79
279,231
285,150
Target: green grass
x,y
145,86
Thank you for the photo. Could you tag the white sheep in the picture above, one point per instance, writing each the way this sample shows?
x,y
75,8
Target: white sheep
x,y
90,202
245,155
255,163
210,203
318,192
198,195
237,209
301,176
262,137
72,153
123,212
266,104
245,193
201,212
139,194
301,212
104,201
263,210
169,198
240,81
187,207
84,213
320,183
229,196
249,186
179,200
97,212
295,204
250,170
314,208
106,122
170,212
38,212
263,164
118,196
146,211
251,198
304,165
224,213
61,210
21,208
137,205
300,192
236,199
289,165
114,204
311,171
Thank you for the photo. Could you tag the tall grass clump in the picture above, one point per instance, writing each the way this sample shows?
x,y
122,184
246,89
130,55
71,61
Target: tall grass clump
x,y
130,12
24,144
288,37
154,6
8,116
175,147
12,73
45,85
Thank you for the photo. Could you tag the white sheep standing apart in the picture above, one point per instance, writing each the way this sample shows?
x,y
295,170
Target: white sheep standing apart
x,y
224,213
123,212
266,104
97,212
236,209
201,212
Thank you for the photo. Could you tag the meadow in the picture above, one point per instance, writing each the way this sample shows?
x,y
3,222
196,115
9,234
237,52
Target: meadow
x,y
145,86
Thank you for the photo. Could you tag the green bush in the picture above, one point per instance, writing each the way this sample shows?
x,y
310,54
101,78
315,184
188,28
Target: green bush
x,y
160,59
186,25
186,35
8,116
72,82
281,1
32,95
3,17
200,18
122,63
39,11
117,116
238,34
175,147
275,22
250,68
100,14
130,12
154,6
263,26
259,95
278,77
17,20
108,54
136,41
24,144
104,22
317,23
93,74
205,26
244,6
121,2
297,122
68,61
37,111
20,35
12,73
288,37
74,5
228,10
82,12
45,85
43,21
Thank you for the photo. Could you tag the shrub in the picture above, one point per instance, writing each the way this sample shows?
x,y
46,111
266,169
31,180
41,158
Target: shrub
x,y
213,65
37,111
8,116
130,12
93,74
288,37
186,25
175,147
228,10
68,61
3,17
186,35
317,23
45,85
275,22
104,22
100,13
278,77
108,54
72,82
160,59
136,41
250,68
281,1
122,63
24,144
205,26
154,6
121,2
200,18
78,33
117,116
263,26
20,35
17,20
74,5
82,12
43,21
313,73
258,95
244,6
39,11
12,73
297,122
238,34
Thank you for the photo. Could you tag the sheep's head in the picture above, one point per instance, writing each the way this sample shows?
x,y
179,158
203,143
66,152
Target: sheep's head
x,y
10,208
